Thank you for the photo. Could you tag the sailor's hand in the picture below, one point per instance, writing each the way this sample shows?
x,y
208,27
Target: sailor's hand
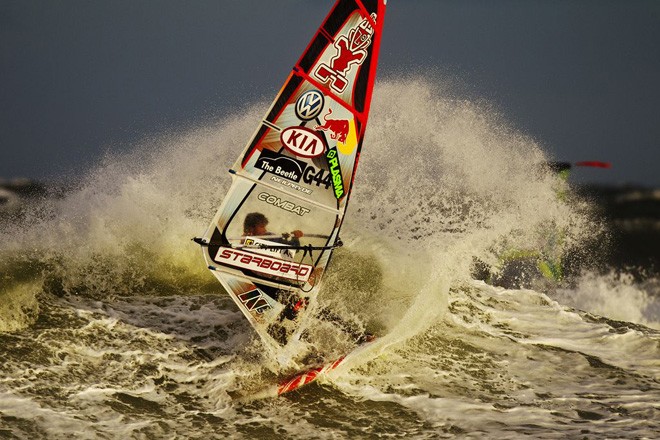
x,y
297,233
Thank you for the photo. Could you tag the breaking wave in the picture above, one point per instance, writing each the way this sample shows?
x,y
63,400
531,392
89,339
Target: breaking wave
x,y
131,334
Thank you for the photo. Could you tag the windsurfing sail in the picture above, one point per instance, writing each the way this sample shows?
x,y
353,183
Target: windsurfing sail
x,y
558,167
274,233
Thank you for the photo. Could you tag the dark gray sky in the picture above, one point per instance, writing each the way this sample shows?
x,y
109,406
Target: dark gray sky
x,y
80,77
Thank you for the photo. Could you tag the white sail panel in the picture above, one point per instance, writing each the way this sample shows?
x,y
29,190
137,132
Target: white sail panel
x,y
279,222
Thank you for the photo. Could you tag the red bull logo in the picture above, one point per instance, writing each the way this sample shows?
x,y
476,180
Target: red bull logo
x,y
351,50
338,128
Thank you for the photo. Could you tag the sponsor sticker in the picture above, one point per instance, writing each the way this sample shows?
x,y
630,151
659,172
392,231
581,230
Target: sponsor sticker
x,y
288,171
282,204
254,301
309,105
263,264
302,141
335,172
283,166
338,128
350,50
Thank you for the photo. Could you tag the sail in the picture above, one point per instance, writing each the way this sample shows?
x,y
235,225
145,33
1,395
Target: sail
x,y
274,233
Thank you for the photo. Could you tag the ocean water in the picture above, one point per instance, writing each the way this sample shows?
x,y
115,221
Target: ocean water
x,y
111,326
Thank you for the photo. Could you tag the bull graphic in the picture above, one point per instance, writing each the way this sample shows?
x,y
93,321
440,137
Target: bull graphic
x,y
338,128
350,50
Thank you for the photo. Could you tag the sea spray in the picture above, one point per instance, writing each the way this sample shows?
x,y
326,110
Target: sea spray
x,y
436,172
125,226
19,305
451,168
134,338
615,295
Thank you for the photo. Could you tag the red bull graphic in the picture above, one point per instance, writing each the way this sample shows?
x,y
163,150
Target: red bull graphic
x,y
338,128
350,51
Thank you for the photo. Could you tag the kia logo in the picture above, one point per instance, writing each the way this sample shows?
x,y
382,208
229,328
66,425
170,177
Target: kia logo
x,y
302,141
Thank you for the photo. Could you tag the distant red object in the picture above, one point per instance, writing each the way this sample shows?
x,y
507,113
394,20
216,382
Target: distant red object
x,y
593,163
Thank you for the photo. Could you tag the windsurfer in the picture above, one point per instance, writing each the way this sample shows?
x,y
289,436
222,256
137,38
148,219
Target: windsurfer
x,y
255,225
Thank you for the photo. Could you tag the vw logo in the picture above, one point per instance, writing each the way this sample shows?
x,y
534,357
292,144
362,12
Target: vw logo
x,y
309,105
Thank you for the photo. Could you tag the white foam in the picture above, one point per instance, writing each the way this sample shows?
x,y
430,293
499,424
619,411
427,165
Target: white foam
x,y
615,295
